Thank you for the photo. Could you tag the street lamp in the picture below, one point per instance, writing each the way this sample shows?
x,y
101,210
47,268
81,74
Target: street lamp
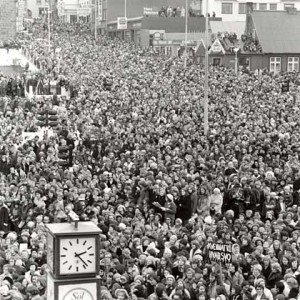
x,y
236,50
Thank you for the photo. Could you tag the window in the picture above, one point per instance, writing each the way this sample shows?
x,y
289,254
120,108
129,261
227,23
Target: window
x,y
244,62
275,64
216,61
242,8
43,11
262,6
289,5
293,64
226,8
273,6
168,51
38,2
254,5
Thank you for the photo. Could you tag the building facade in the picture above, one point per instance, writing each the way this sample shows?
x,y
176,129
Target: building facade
x,y
38,8
8,19
235,10
271,42
159,32
279,40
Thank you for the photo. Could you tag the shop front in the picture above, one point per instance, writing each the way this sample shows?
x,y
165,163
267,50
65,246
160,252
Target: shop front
x,y
130,33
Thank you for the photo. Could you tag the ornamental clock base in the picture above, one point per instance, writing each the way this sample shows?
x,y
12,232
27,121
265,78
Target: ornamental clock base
x,y
73,289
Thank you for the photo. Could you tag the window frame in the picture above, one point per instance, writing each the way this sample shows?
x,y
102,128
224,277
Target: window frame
x,y
244,10
288,5
230,4
273,62
293,61
215,60
274,4
264,5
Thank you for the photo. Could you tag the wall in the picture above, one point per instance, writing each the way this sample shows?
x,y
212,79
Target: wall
x,y
145,37
8,19
14,58
259,61
38,6
216,6
135,8
284,60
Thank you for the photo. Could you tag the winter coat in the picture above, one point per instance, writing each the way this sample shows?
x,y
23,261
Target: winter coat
x,y
272,279
216,201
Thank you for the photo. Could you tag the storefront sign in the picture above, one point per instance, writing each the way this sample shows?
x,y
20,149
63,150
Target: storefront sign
x,y
220,253
83,12
157,36
150,11
137,25
122,23
216,47
164,43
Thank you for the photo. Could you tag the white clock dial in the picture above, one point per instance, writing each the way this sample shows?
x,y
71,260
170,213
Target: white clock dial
x,y
77,255
79,293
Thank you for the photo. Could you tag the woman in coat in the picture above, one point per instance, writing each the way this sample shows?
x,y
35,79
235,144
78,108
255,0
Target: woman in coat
x,y
216,201
275,276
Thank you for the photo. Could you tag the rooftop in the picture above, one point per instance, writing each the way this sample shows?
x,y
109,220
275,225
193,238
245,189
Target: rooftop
x,y
277,31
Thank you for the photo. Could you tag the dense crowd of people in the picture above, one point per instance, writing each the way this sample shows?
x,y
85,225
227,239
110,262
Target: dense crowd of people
x,y
129,154
11,86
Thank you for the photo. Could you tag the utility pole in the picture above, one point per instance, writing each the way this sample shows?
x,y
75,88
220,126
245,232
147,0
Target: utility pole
x,y
96,9
206,73
186,32
125,12
49,26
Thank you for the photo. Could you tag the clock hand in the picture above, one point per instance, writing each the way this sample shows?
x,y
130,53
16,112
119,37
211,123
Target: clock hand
x,y
79,254
76,255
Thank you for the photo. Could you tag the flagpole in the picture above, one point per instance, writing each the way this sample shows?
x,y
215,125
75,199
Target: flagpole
x,y
206,73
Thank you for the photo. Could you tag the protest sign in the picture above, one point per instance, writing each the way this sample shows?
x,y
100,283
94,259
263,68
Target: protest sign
x,y
220,253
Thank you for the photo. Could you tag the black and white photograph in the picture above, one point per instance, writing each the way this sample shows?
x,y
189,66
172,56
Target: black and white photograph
x,y
149,150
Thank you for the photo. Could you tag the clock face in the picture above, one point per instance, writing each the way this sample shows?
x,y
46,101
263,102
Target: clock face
x,y
77,255
78,293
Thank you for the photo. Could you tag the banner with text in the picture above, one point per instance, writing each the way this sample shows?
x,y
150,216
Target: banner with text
x,y
220,253
122,23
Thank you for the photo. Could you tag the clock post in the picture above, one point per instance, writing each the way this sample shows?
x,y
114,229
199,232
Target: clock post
x,y
73,260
